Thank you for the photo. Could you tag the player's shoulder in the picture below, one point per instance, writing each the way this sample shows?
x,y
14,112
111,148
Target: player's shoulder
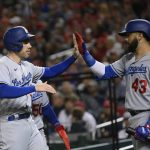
x,y
3,60
26,63
37,96
128,56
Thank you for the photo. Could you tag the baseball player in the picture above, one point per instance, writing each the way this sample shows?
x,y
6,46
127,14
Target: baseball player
x,y
135,67
41,107
17,128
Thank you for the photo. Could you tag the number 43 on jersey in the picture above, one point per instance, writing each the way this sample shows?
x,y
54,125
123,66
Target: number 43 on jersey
x,y
139,85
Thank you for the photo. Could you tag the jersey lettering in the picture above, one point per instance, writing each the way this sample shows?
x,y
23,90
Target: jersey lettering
x,y
25,80
136,69
36,95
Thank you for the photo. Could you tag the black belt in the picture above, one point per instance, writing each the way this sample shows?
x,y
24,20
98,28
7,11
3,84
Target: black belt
x,y
18,116
135,112
41,128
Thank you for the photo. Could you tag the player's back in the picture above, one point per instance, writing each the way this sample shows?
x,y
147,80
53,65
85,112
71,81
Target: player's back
x,y
39,100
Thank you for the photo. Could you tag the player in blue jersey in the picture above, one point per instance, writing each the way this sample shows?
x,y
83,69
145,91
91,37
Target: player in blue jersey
x,y
135,67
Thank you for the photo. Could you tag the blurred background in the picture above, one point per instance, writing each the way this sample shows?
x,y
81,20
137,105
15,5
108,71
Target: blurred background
x,y
83,104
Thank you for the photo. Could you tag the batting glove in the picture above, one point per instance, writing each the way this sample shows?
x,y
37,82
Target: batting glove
x,y
80,43
63,135
142,133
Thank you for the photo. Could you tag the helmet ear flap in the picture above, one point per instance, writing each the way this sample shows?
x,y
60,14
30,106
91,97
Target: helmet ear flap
x,y
13,46
17,46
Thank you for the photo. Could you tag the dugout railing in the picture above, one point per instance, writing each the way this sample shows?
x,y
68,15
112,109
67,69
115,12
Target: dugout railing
x,y
85,141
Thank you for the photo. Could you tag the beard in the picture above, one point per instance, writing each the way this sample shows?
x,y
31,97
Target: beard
x,y
132,46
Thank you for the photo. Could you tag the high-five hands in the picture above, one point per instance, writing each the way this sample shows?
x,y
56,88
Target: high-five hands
x,y
76,52
79,43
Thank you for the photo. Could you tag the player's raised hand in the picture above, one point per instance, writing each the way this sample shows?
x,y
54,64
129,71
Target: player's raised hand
x,y
44,87
79,43
76,52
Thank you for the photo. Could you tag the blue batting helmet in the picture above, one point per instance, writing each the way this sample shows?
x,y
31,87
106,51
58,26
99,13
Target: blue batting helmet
x,y
136,25
14,37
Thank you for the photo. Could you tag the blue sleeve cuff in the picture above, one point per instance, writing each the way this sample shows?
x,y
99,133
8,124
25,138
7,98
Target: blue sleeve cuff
x,y
88,58
109,73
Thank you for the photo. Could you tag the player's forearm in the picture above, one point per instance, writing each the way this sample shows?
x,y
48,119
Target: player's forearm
x,y
49,113
59,68
98,68
7,91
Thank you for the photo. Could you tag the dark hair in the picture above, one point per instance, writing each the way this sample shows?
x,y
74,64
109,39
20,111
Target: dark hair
x,y
72,98
78,114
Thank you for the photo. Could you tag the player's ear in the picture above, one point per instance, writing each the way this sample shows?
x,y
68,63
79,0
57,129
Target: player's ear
x,y
139,36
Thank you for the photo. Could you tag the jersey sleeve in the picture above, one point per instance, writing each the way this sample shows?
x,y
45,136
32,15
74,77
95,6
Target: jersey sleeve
x,y
119,66
37,72
4,74
45,100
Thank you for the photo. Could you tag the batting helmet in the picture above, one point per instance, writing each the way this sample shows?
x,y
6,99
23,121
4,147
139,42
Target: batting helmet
x,y
14,37
136,25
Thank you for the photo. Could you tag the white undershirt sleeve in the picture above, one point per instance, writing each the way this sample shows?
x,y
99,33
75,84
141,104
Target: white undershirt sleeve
x,y
98,68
